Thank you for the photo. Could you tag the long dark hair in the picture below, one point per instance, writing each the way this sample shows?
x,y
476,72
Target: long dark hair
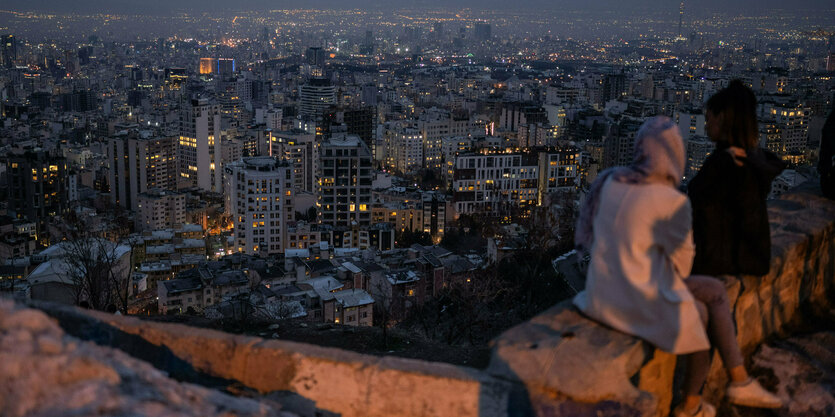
x,y
738,107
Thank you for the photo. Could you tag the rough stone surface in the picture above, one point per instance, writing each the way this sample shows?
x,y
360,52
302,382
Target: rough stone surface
x,y
801,370
44,372
337,381
562,345
656,376
597,366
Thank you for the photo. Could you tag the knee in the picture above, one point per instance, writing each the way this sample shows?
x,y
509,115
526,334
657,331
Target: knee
x,y
712,290
717,291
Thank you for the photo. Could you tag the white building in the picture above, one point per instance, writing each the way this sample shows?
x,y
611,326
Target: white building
x,y
785,130
691,124
160,209
404,149
259,197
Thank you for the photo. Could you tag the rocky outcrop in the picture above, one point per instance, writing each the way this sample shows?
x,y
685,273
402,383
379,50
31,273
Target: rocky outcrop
x,y
44,372
564,358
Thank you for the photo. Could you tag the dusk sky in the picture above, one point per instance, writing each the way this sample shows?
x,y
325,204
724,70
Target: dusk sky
x,y
160,6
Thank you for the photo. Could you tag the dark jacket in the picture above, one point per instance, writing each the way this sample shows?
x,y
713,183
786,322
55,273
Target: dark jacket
x,y
730,221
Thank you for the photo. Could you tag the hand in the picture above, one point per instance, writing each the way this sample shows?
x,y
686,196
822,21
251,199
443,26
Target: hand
x,y
738,154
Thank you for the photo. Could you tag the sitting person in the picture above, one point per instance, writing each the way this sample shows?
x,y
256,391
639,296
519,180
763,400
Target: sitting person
x,y
636,226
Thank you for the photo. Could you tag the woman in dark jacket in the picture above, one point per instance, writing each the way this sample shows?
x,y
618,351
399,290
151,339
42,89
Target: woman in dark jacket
x,y
730,221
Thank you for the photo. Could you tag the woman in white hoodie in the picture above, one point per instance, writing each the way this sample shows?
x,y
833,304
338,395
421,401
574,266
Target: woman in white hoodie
x,y
637,227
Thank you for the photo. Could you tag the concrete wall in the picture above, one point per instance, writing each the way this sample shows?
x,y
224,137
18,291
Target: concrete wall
x,y
347,383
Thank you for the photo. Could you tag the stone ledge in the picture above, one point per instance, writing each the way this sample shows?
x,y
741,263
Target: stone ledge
x,y
572,366
347,383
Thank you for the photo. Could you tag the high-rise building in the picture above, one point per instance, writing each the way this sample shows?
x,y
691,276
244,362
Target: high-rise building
x,y
37,187
316,96
345,182
691,123
368,44
273,118
139,162
259,197
619,143
200,148
699,147
79,101
502,184
160,209
614,87
483,31
356,121
316,56
302,150
8,57
369,95
784,130
207,66
434,214
225,67
404,149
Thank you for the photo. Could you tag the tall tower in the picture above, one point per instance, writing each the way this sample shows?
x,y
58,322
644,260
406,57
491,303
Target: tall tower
x,y
316,96
8,51
200,146
680,20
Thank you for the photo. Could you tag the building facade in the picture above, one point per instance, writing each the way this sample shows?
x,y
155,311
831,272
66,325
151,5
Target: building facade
x,y
345,182
140,162
200,150
259,197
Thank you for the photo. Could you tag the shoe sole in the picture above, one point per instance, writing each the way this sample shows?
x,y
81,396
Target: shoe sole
x,y
754,404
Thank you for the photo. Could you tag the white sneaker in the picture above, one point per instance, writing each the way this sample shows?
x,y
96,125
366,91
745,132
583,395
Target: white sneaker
x,y
752,394
704,410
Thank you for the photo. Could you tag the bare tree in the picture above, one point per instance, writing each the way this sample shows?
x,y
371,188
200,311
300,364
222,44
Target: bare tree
x,y
386,303
98,262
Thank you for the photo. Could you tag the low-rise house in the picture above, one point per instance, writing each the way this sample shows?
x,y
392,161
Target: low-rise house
x,y
199,288
354,307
